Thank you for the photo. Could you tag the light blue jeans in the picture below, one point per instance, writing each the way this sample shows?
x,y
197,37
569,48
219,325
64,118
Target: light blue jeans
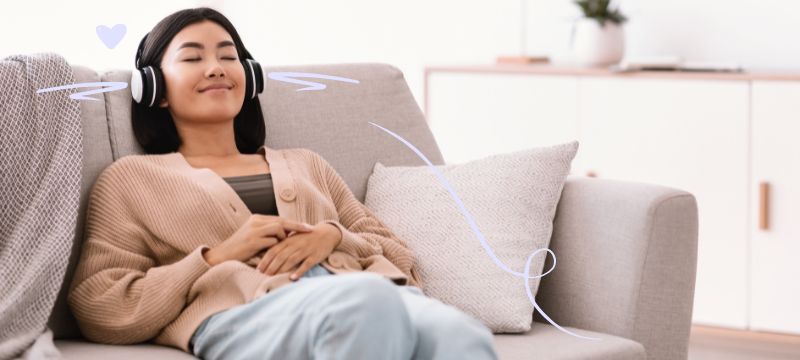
x,y
348,316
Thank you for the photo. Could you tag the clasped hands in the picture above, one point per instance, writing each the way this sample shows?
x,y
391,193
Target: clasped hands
x,y
285,245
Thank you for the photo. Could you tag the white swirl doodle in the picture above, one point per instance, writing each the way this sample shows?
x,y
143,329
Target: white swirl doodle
x,y
107,87
290,78
525,274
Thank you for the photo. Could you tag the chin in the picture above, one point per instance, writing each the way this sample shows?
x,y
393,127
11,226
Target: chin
x,y
215,114
220,109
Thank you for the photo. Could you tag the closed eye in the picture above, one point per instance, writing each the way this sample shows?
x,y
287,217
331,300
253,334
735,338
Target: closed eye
x,y
198,59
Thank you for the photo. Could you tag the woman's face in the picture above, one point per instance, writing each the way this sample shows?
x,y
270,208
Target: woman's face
x,y
201,55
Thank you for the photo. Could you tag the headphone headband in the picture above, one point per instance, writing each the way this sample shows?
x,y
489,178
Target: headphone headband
x,y
140,50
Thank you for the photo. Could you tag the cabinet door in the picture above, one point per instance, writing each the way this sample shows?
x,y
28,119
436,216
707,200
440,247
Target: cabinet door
x,y
775,251
691,135
473,115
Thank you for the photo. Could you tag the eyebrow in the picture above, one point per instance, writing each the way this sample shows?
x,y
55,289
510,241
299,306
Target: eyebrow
x,y
200,46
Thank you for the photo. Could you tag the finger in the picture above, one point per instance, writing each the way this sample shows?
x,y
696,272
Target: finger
x,y
292,260
269,241
305,266
296,233
262,264
272,229
267,258
279,260
285,223
266,219
289,225
263,244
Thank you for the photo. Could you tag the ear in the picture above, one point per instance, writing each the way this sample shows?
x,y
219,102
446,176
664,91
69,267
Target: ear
x,y
163,103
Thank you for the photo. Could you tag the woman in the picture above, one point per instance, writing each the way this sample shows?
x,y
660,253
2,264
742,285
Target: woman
x,y
189,246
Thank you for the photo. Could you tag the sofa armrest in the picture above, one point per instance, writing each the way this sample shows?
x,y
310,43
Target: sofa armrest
x,y
626,259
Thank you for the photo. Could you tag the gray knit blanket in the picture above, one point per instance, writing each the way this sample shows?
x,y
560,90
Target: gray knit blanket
x,y
40,161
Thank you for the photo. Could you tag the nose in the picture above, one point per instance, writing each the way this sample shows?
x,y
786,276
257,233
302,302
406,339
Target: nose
x,y
216,70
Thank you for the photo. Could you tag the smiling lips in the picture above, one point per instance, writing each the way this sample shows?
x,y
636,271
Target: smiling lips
x,y
216,88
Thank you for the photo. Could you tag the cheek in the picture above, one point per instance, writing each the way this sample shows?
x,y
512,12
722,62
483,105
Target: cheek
x,y
238,92
180,89
238,76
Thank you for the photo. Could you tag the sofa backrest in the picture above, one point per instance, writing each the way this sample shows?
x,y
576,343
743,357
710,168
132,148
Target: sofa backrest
x,y
334,122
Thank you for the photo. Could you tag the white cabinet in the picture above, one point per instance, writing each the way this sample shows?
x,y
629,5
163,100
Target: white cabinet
x,y
775,250
718,136
691,135
477,115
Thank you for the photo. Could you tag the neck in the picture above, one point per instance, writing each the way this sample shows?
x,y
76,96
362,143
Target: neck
x,y
214,140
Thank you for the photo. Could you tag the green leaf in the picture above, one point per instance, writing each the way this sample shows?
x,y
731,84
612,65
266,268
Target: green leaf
x,y
599,10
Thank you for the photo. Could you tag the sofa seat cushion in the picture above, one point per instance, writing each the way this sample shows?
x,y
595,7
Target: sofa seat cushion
x,y
544,341
83,350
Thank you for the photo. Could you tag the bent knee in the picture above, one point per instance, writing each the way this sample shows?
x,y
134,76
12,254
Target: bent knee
x,y
368,290
452,322
367,284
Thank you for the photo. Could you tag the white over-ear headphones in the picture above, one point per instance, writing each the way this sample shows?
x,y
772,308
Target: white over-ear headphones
x,y
147,84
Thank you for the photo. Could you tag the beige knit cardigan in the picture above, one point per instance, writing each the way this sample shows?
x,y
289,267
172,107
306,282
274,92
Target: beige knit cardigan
x,y
141,275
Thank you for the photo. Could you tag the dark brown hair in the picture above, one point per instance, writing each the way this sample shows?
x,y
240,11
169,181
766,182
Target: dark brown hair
x,y
154,127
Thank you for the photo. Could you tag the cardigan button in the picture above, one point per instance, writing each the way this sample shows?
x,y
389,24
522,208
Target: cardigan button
x,y
287,194
335,259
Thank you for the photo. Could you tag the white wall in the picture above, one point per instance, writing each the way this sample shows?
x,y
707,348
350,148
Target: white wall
x,y
68,28
758,34
411,34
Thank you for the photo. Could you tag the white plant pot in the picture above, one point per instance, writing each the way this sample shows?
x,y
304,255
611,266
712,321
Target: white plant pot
x,y
592,45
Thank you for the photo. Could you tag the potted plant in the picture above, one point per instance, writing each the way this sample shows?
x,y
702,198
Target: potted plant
x,y
597,39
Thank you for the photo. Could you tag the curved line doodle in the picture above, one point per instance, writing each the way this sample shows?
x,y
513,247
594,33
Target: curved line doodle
x,y
526,273
108,86
290,78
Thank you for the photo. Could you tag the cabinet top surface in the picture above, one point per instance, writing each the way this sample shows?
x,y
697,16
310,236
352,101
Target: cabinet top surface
x,y
548,69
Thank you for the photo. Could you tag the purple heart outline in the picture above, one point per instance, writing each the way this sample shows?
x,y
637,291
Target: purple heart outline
x,y
111,36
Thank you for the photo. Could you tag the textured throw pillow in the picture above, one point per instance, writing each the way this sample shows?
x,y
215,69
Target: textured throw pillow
x,y
511,197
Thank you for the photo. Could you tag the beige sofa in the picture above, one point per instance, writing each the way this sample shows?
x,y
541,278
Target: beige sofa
x,y
626,251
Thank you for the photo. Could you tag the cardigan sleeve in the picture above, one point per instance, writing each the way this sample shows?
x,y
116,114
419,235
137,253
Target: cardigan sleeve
x,y
363,233
119,294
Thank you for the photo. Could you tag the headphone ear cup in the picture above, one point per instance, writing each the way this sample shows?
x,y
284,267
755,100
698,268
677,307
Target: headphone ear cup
x,y
248,79
254,78
159,89
259,75
147,86
137,85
